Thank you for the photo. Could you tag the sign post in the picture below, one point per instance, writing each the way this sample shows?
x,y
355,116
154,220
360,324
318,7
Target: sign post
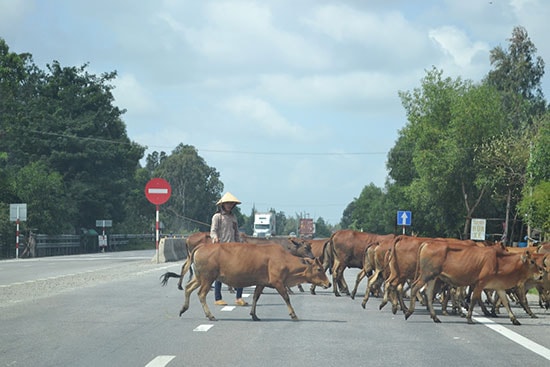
x,y
157,191
18,212
103,238
404,218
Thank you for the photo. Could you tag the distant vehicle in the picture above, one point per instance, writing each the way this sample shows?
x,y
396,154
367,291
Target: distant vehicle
x,y
292,234
307,228
264,225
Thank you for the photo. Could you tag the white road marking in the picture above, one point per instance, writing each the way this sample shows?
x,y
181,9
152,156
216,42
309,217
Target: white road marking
x,y
515,337
160,361
203,327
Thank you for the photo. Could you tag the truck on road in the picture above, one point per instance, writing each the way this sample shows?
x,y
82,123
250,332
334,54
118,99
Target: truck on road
x,y
264,225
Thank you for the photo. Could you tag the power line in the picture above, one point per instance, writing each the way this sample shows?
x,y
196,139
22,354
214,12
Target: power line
x,y
95,139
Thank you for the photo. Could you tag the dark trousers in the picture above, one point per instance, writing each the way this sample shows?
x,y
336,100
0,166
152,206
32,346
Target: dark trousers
x,y
218,291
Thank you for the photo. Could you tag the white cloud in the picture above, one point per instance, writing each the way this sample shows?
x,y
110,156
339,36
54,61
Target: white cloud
x,y
131,95
261,117
456,44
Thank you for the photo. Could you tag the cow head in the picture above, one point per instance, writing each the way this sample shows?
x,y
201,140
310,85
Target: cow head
x,y
538,271
315,273
301,248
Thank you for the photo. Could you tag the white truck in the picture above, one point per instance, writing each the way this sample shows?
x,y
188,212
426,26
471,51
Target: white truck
x,y
264,224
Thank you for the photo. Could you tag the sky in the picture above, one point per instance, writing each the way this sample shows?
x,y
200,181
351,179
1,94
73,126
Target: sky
x,y
294,103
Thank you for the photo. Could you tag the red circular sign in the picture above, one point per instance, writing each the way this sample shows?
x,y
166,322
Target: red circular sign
x,y
158,191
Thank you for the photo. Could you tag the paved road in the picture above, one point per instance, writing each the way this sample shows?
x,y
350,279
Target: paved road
x,y
109,310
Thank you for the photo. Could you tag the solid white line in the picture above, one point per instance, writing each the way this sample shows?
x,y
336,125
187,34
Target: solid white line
x,y
160,361
515,337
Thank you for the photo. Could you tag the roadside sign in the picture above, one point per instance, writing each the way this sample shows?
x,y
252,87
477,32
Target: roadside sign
x,y
477,230
404,218
158,191
18,212
104,223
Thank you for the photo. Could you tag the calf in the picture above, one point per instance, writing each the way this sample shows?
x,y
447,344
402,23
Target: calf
x,y
243,265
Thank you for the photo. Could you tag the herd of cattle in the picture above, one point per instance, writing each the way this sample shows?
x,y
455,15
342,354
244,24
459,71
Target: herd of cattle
x,y
450,270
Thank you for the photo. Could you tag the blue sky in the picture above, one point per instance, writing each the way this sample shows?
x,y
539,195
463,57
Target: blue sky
x,y
295,103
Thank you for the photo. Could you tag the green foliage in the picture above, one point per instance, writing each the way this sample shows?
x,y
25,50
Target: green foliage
x,y
322,229
35,182
196,187
518,75
536,206
67,149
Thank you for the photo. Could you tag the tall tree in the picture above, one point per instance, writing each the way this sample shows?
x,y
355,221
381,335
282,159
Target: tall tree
x,y
518,75
66,119
195,189
447,120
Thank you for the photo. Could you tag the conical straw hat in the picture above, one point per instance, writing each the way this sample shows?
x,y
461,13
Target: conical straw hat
x,y
228,198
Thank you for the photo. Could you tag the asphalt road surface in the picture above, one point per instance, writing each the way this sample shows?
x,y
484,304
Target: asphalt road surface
x,y
108,309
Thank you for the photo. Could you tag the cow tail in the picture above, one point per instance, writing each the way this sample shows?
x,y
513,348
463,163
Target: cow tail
x,y
331,253
417,271
164,278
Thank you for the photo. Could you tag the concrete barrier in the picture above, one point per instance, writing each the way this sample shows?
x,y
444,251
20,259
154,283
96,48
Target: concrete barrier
x,y
170,249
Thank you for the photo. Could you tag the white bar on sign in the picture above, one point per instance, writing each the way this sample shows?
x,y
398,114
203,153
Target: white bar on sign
x,y
158,191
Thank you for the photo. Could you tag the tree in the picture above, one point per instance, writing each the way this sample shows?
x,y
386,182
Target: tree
x,y
534,205
65,119
35,182
518,75
447,121
196,187
322,229
368,209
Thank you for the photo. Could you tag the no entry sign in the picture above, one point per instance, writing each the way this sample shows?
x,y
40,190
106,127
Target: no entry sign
x,y
158,191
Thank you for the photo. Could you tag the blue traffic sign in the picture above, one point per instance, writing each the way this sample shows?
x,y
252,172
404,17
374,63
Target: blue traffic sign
x,y
404,218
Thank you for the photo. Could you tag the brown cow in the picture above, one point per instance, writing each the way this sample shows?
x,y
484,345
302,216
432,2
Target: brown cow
x,y
402,262
242,265
478,267
296,247
348,248
377,257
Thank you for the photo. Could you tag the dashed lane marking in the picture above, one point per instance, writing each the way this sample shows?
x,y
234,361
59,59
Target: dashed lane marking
x,y
160,361
203,327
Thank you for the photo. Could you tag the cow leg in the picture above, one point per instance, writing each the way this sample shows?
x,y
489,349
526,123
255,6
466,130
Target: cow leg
x,y
360,277
399,297
257,293
504,299
312,289
180,280
415,287
189,288
522,298
429,292
203,291
337,274
282,291
475,297
370,284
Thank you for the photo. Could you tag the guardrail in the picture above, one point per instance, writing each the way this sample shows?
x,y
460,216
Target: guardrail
x,y
65,244
118,241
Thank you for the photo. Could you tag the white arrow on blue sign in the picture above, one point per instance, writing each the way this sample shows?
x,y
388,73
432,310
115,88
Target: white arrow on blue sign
x,y
404,218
